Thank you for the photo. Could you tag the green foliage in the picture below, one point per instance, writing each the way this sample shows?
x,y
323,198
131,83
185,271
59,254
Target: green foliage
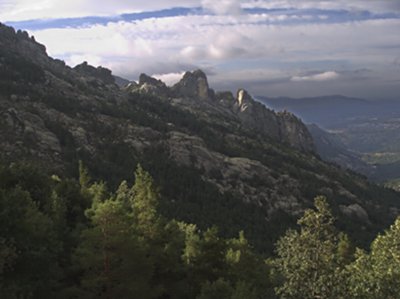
x,y
77,240
219,289
377,274
113,260
308,260
28,247
31,179
144,203
84,178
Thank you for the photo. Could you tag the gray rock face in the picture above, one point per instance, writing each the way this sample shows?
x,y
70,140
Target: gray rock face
x,y
233,172
256,115
100,73
194,85
150,85
284,127
193,92
294,132
22,43
231,141
225,99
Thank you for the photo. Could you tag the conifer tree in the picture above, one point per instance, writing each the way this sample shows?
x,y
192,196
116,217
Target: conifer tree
x,y
144,204
377,274
308,259
112,258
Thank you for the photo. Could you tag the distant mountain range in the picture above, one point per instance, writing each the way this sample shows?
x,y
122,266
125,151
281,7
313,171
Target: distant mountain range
x,y
360,135
332,111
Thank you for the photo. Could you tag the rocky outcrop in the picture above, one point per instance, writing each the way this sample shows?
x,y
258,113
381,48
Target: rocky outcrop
x,y
233,143
193,92
294,132
230,173
284,127
225,99
256,115
150,85
21,43
193,85
100,73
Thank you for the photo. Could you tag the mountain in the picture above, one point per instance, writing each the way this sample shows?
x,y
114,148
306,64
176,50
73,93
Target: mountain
x,y
121,82
218,158
333,111
330,148
366,129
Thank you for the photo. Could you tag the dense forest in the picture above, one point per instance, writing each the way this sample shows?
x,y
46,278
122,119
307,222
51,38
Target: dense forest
x,y
74,238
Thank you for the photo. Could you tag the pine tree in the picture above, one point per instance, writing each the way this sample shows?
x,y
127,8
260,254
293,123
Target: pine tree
x,y
144,204
247,271
28,247
112,258
377,274
308,260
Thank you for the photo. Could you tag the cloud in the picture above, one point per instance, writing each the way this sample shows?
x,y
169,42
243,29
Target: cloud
x,y
261,49
325,76
376,6
222,7
194,52
170,78
18,10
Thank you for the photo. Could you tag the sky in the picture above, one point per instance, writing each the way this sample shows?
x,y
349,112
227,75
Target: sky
x,y
295,48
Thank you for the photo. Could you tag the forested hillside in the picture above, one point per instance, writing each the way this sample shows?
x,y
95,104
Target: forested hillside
x,y
63,238
218,158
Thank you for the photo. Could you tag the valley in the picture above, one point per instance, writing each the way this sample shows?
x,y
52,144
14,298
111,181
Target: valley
x,y
367,129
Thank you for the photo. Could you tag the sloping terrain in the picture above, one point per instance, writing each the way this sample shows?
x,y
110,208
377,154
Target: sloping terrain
x,y
331,148
366,130
218,158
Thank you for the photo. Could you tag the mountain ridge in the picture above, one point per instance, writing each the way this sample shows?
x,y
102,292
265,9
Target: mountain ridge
x,y
218,158
284,127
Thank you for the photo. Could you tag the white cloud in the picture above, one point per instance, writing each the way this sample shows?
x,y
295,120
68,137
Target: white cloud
x,y
222,7
167,45
18,10
170,78
378,6
260,47
193,52
325,76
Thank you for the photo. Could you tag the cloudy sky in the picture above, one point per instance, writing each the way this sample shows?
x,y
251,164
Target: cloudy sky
x,y
270,47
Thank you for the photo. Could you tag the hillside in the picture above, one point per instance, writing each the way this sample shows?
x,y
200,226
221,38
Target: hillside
x,y
331,148
366,130
218,158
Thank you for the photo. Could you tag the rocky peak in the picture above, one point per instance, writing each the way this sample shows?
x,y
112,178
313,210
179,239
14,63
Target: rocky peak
x,y
243,100
225,99
283,126
100,72
9,33
21,42
150,85
255,115
145,79
294,132
193,85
